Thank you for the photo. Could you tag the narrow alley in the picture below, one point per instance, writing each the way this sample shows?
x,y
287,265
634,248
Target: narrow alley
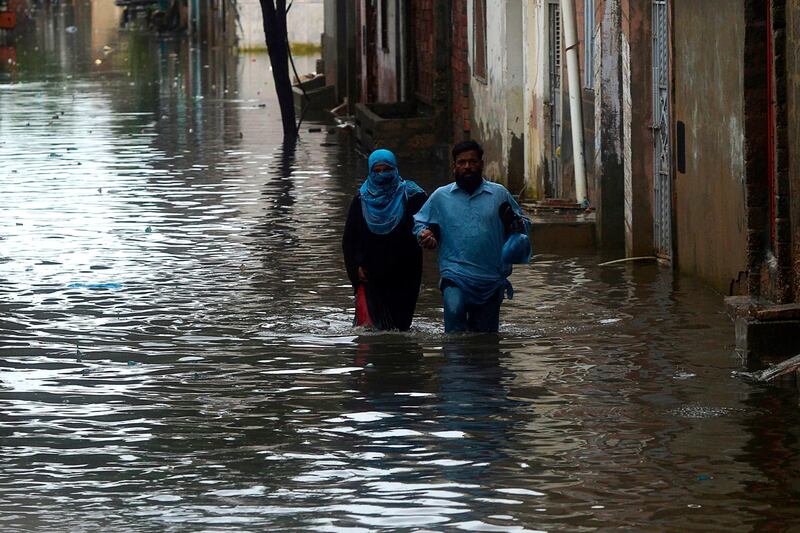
x,y
177,350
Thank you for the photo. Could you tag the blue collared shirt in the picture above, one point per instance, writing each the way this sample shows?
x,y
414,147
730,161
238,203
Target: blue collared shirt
x,y
471,235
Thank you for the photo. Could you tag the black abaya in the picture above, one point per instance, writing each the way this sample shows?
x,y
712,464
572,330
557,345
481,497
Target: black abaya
x,y
393,264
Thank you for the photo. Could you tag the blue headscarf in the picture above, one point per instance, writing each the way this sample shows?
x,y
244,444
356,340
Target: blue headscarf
x,y
383,194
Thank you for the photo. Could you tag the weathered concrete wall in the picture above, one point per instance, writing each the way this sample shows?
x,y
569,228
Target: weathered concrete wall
x,y
612,51
305,23
708,87
497,102
639,146
793,141
487,97
535,102
514,80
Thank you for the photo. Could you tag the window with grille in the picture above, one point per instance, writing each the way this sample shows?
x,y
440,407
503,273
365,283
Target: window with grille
x,y
588,43
479,39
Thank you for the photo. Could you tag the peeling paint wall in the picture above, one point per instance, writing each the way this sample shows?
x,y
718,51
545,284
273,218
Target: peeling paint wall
x,y
497,103
709,98
535,97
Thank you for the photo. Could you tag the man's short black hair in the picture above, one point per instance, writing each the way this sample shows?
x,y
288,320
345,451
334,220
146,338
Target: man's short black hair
x,y
466,146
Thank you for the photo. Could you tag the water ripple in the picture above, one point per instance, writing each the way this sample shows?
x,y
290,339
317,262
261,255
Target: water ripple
x,y
177,349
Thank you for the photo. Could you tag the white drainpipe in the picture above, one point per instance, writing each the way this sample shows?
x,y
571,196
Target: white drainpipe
x,y
573,78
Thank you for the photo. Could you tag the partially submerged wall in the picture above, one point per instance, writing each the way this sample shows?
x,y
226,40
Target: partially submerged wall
x,y
709,99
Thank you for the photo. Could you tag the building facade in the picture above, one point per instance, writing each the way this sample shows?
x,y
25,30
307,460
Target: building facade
x,y
411,73
689,119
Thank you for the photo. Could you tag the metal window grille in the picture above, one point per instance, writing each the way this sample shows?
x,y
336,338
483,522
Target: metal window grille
x,y
662,179
555,45
588,43
553,187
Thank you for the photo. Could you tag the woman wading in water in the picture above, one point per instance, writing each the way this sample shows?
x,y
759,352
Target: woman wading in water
x,y
383,258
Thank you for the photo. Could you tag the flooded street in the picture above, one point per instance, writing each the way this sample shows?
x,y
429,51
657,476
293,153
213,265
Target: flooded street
x,y
176,348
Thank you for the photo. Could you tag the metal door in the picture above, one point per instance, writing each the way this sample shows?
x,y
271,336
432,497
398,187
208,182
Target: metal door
x,y
553,184
662,158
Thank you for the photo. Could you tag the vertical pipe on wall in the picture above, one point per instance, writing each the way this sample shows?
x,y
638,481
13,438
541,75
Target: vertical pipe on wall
x,y
573,78
771,112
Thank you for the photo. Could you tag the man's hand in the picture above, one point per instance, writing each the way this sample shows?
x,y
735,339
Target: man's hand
x,y
362,274
512,222
427,240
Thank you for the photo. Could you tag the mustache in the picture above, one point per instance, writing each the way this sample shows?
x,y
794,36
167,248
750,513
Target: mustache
x,y
468,173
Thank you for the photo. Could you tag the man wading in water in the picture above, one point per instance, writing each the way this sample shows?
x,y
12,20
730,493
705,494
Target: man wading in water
x,y
470,221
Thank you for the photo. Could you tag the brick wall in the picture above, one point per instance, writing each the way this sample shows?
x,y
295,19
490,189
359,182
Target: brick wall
x,y
783,230
755,109
793,133
771,269
461,73
423,31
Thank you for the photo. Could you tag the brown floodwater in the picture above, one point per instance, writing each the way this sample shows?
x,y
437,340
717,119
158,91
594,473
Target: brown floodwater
x,y
176,348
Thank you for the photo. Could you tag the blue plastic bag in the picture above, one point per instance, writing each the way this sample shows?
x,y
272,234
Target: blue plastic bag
x,y
517,249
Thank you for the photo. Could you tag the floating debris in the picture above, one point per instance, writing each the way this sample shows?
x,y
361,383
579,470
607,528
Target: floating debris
x,y
79,285
768,374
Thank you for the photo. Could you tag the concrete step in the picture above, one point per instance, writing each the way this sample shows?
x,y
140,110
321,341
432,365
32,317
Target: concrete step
x,y
765,332
561,228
